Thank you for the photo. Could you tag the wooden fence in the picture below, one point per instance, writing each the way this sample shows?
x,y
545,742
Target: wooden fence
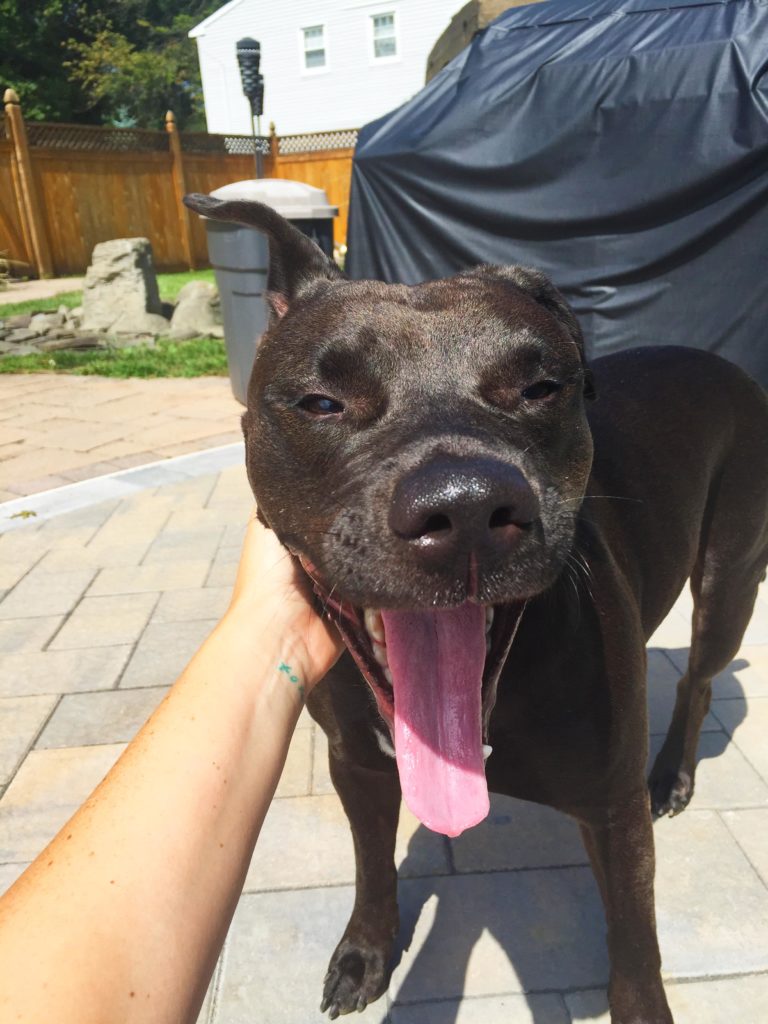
x,y
63,188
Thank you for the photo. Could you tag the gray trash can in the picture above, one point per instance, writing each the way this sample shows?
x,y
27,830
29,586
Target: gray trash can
x,y
240,259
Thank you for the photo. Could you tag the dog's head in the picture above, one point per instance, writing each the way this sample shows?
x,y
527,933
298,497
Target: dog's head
x,y
424,451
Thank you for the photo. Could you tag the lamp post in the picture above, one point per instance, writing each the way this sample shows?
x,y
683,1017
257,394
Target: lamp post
x,y
249,58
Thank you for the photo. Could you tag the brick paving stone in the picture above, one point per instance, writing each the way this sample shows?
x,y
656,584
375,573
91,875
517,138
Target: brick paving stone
x,y
663,676
8,875
499,1009
321,775
297,773
517,834
12,571
747,675
514,931
45,593
217,440
740,1000
724,777
34,485
111,716
46,791
750,830
184,544
188,605
156,577
105,621
746,721
21,718
61,671
224,568
698,935
91,470
232,487
17,635
104,556
163,651
305,841
277,955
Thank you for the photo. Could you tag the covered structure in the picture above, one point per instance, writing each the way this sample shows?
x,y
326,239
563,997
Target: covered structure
x,y
619,145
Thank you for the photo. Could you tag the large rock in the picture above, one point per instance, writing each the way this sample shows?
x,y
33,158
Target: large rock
x,y
197,313
120,291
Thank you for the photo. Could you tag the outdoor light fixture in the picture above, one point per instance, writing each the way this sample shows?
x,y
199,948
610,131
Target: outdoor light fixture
x,y
248,53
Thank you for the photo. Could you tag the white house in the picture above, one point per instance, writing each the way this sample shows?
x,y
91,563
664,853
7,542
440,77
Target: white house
x,y
327,64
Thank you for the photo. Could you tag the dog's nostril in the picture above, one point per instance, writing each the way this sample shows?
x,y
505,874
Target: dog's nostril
x,y
437,523
501,517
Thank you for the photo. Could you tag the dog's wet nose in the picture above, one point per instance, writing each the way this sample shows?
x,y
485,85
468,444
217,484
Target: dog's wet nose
x,y
453,506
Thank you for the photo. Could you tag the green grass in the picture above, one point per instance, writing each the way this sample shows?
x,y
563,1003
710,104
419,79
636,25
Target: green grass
x,y
70,299
199,357
169,286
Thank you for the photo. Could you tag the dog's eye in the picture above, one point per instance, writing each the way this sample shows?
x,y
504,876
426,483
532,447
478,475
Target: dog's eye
x,y
541,389
320,405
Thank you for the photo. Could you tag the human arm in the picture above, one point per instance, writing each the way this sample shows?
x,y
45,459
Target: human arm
x,y
124,913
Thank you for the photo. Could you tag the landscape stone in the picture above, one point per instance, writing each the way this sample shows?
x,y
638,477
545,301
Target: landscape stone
x,y
197,312
22,334
19,320
72,341
43,322
120,289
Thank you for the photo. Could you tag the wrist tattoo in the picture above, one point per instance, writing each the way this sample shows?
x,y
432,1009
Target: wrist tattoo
x,y
288,671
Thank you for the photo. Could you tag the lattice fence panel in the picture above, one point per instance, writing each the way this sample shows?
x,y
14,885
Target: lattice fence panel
x,y
92,138
312,142
201,142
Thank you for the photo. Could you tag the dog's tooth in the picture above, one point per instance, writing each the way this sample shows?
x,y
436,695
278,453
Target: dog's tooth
x,y
388,675
487,751
380,654
374,624
488,618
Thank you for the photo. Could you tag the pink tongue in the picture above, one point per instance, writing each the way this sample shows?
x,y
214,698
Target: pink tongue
x,y
436,659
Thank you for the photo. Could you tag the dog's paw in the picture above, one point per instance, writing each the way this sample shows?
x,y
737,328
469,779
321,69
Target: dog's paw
x,y
670,791
356,976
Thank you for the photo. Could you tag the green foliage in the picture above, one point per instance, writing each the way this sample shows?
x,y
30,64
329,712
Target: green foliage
x,y
199,357
104,61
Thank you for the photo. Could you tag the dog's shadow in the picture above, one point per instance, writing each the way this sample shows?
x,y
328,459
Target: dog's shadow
x,y
521,911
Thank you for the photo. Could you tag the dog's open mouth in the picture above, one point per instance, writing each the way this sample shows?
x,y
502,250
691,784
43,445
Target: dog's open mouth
x,y
434,675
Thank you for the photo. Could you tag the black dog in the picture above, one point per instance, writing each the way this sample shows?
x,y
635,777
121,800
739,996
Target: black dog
x,y
427,453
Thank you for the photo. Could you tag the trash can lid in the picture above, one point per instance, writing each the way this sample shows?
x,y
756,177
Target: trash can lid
x,y
293,199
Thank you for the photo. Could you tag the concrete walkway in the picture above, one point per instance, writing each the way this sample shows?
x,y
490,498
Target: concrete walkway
x,y
56,429
27,291
102,607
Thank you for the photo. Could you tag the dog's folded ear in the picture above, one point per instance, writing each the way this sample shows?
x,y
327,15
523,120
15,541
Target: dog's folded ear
x,y
540,288
295,261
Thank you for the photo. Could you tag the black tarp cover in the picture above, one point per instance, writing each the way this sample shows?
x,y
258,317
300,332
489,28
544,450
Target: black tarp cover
x,y
622,147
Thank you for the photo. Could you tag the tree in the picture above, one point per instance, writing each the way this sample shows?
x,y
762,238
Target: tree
x,y
118,61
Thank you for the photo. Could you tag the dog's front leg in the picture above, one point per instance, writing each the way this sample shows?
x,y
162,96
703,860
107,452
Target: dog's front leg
x,y
620,846
359,969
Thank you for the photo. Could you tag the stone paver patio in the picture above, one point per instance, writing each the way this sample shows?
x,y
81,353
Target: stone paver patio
x,y
56,430
100,610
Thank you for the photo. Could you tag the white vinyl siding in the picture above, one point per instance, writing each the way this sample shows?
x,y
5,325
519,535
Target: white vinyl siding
x,y
350,89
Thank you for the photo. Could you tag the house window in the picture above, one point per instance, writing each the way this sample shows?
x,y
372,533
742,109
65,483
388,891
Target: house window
x,y
384,39
314,47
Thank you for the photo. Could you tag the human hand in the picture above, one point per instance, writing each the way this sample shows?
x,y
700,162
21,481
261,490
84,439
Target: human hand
x,y
272,587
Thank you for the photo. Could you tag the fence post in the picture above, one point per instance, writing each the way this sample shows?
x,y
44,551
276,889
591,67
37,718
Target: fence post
x,y
180,188
274,149
30,207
